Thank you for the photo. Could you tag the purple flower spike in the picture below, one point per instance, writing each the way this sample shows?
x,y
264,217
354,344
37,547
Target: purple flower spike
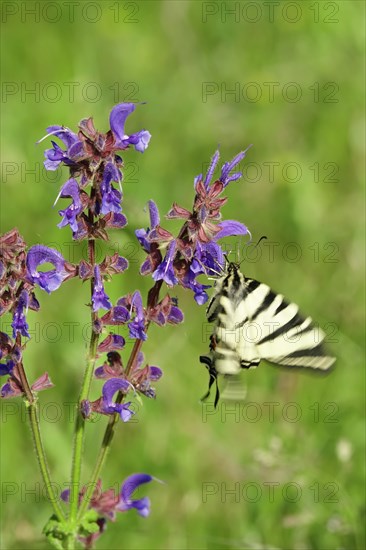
x,y
71,189
142,505
19,323
100,299
47,280
111,387
117,119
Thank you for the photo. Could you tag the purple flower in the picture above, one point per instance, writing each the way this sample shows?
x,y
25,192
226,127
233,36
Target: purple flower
x,y
82,230
19,323
165,270
107,503
118,315
111,369
230,228
144,385
56,155
149,245
71,189
115,220
127,306
211,169
117,119
142,234
114,264
6,344
14,387
99,298
6,368
111,387
111,343
47,280
195,251
85,270
111,197
10,389
166,311
142,505
210,257
141,377
225,177
137,326
42,383
199,289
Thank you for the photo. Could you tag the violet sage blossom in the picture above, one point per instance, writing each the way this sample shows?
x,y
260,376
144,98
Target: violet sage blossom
x,y
48,280
195,251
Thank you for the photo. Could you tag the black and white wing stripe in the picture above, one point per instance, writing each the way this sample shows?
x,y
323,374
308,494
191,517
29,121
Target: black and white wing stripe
x,y
254,323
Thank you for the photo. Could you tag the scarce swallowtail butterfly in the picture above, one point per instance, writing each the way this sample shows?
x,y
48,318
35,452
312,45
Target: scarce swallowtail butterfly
x,y
251,323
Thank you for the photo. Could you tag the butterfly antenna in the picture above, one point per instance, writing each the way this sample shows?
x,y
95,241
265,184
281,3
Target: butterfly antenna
x,y
261,239
226,256
255,246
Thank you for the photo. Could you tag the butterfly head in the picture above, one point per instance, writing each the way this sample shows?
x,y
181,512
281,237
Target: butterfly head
x,y
231,267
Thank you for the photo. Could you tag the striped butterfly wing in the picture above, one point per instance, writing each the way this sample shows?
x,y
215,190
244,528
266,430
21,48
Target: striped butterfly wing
x,y
274,330
253,323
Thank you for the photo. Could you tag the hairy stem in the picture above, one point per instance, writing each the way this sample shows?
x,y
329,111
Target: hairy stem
x,y
32,409
79,432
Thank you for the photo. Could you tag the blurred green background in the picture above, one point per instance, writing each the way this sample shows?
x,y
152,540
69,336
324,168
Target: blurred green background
x,y
288,78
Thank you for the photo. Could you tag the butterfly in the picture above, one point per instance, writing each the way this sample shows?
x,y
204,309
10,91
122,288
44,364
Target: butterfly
x,y
252,322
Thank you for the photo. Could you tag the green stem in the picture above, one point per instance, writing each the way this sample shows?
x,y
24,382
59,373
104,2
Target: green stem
x,y
80,430
32,409
84,394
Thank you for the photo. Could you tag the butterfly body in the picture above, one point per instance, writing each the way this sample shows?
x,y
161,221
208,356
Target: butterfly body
x,y
252,322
